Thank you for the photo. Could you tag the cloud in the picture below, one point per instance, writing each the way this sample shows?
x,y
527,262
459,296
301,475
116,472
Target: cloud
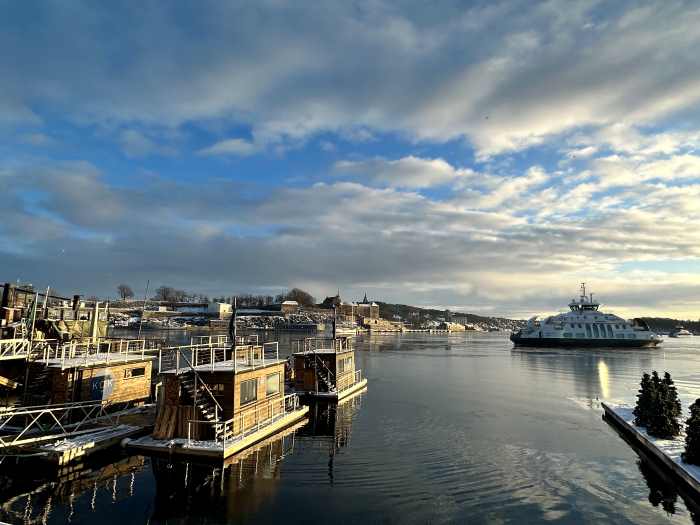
x,y
394,241
239,147
503,75
134,143
407,172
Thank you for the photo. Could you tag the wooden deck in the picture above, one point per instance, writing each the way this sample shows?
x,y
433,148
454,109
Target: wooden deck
x,y
215,449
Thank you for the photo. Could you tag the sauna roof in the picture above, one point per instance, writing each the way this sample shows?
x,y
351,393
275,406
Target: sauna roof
x,y
228,366
99,359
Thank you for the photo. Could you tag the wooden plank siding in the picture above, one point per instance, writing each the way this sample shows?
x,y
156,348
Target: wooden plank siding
x,y
108,383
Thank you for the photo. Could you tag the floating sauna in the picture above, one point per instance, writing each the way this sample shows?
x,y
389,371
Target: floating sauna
x,y
109,370
216,401
325,368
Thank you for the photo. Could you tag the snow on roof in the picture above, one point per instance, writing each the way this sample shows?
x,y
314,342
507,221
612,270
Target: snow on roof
x,y
290,302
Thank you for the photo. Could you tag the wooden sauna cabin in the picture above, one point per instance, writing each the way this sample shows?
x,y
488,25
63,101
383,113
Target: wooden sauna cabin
x,y
114,371
325,368
216,402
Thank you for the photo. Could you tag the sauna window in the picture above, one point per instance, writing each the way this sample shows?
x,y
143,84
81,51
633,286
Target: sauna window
x,y
135,372
249,391
273,384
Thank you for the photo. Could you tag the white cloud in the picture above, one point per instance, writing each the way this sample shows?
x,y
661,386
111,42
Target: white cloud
x,y
407,172
238,147
506,76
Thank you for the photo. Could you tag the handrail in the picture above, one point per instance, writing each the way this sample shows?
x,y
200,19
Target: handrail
x,y
287,403
203,383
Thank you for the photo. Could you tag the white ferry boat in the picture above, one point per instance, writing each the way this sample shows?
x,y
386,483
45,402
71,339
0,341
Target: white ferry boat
x,y
679,331
585,326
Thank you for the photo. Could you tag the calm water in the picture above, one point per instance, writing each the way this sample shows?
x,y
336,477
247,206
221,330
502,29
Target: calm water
x,y
452,428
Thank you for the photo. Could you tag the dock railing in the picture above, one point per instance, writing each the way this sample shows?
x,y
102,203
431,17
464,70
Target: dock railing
x,y
36,423
348,380
84,352
205,352
315,344
247,421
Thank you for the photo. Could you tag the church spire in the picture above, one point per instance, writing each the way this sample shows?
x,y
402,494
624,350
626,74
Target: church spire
x,y
365,301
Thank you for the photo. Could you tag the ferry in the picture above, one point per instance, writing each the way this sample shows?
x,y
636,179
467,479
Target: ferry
x,y
679,331
585,326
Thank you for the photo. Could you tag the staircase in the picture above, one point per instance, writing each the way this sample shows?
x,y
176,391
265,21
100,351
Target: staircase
x,y
323,373
204,401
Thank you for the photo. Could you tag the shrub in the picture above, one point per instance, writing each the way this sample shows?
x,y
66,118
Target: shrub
x,y
692,435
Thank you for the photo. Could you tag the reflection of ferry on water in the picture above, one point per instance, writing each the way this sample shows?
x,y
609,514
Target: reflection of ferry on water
x,y
585,326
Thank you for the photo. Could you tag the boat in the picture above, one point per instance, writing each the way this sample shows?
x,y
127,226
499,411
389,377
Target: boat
x,y
679,331
585,326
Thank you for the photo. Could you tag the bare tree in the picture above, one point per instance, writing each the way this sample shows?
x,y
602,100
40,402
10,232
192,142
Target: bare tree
x,y
125,291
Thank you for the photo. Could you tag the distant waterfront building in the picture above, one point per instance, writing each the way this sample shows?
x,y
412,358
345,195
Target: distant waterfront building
x,y
220,309
365,309
289,307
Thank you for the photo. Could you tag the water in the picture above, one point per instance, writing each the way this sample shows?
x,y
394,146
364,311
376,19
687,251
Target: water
x,y
453,428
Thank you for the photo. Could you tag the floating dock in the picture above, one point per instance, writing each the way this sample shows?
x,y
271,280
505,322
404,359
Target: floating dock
x,y
666,451
66,450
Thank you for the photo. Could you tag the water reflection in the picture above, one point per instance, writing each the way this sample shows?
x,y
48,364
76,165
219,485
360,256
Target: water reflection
x,y
331,423
33,492
239,486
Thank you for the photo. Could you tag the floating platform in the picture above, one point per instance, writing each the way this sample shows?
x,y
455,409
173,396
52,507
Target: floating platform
x,y
68,449
665,451
337,396
216,449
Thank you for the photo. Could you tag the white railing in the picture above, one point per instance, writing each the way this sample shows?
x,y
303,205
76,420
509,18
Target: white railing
x,y
29,424
107,350
248,421
348,380
11,348
315,344
214,352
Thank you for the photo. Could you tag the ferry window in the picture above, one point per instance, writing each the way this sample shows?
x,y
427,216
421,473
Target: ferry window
x,y
273,384
135,372
249,391
595,331
580,325
610,332
588,330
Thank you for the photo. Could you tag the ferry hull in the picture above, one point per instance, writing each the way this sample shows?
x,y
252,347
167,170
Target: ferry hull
x,y
553,342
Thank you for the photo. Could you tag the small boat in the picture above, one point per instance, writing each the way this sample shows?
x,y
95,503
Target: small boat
x,y
585,326
679,331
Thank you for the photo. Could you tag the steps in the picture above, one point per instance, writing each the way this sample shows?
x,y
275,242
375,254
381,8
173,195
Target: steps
x,y
324,375
204,403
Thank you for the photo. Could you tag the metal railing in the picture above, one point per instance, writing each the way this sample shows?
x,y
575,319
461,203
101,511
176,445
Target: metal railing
x,y
348,380
248,421
42,422
83,352
315,344
215,355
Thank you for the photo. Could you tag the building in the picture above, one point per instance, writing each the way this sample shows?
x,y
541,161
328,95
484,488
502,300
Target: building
x,y
289,307
325,368
217,401
220,310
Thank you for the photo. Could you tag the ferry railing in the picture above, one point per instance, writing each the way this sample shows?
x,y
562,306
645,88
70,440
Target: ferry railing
x,y
52,421
209,353
247,421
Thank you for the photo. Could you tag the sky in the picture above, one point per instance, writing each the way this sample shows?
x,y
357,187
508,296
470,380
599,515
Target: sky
x,y
479,156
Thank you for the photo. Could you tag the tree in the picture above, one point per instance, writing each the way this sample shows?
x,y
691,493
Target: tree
x,y
300,296
642,411
125,291
692,435
665,409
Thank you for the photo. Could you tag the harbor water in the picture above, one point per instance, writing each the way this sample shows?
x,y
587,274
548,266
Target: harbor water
x,y
455,427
